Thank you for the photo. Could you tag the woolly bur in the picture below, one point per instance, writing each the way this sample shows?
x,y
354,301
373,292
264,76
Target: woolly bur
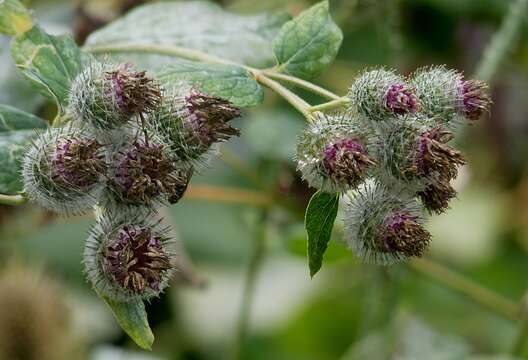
x,y
332,153
382,227
64,170
129,256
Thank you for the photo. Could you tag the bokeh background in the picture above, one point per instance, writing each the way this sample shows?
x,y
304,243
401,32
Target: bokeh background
x,y
247,208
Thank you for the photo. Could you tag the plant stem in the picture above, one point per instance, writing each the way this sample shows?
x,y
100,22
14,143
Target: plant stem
x,y
248,294
12,199
522,335
177,51
502,41
298,103
330,105
464,286
301,83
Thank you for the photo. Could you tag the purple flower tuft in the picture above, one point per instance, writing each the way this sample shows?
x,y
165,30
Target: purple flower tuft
x,y
475,98
78,162
401,99
345,161
436,196
136,260
403,233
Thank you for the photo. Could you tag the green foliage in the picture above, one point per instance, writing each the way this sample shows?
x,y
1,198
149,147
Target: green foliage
x,y
14,17
195,25
306,45
230,82
49,62
132,318
16,131
320,216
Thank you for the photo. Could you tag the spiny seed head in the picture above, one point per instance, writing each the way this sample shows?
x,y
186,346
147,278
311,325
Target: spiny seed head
x,y
332,153
107,96
476,99
63,170
383,227
415,151
403,233
78,161
128,255
191,122
144,172
381,94
436,196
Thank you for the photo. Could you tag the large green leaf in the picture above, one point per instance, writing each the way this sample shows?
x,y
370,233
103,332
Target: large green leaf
x,y
16,132
14,17
14,119
12,149
195,25
306,45
230,82
49,62
319,221
132,318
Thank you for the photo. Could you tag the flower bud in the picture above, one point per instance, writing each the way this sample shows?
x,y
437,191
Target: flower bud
x,y
436,196
444,93
143,172
191,122
63,170
412,151
128,255
381,94
108,96
384,228
332,154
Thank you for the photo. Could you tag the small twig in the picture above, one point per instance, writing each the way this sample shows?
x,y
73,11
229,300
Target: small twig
x,y
464,286
301,83
522,335
13,199
502,41
255,264
334,104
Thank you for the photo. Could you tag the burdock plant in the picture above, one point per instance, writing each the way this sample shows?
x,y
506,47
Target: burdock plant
x,y
132,130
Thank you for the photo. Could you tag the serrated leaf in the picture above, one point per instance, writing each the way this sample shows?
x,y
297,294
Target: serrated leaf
x,y
12,149
230,82
12,119
132,318
49,62
306,45
14,17
195,25
319,221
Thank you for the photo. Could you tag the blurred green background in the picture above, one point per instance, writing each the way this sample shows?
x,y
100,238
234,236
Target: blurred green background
x,y
349,310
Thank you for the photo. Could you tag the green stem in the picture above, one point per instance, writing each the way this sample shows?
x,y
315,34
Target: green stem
x,y
522,335
301,83
334,104
12,199
177,51
502,41
294,100
248,294
466,287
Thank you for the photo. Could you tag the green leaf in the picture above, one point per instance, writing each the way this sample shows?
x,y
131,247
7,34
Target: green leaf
x,y
14,119
196,25
14,17
49,62
132,318
230,82
306,45
12,149
319,221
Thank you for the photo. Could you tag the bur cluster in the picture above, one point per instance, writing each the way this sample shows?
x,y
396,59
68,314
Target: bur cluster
x,y
131,145
391,155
